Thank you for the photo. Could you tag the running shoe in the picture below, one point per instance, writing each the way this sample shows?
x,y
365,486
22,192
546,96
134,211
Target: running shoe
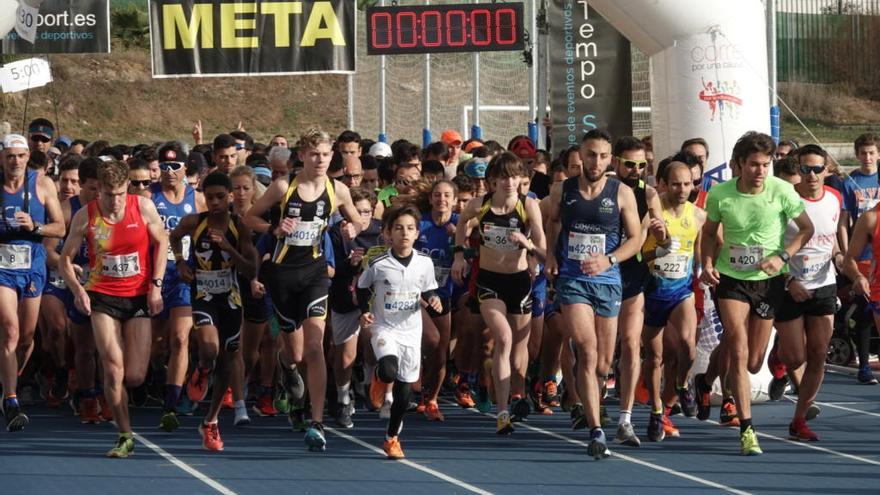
x,y
228,402
866,376
211,437
186,407
728,415
777,387
656,432
777,368
578,418
197,386
343,416
536,393
241,417
169,421
106,414
642,396
551,393
280,401
669,429
314,438
687,401
124,447
16,420
521,409
812,412
432,411
385,410
291,380
626,435
484,401
463,396
420,406
598,448
392,448
703,393
377,392
54,397
265,407
798,430
88,411
503,424
297,419
748,442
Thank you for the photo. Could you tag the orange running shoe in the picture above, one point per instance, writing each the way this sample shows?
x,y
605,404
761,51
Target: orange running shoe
x,y
728,415
265,406
432,411
799,431
392,448
197,387
88,412
106,414
463,396
377,392
551,393
228,403
668,428
642,396
211,437
420,407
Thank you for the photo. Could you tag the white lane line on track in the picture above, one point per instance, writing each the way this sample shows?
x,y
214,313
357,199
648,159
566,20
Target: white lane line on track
x,y
433,472
840,405
809,445
184,466
627,458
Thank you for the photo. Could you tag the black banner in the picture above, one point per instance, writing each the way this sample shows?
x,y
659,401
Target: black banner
x,y
66,26
234,37
590,75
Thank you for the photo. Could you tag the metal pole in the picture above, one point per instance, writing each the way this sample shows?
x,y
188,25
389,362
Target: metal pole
x,y
533,69
383,137
775,130
476,132
426,131
350,80
542,59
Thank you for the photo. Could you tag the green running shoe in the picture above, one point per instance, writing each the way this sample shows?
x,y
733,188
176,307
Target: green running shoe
x,y
748,441
124,447
169,421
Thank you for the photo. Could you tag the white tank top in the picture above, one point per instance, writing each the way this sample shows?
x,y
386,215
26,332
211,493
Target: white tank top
x,y
813,265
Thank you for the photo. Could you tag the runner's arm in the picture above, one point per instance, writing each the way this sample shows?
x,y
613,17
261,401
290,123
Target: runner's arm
x,y
185,227
553,226
347,209
631,226
245,258
159,238
54,215
536,226
861,236
805,233
200,202
270,198
75,238
843,231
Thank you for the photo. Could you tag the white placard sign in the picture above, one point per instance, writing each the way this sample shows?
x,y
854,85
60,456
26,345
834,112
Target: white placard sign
x,y
25,74
26,22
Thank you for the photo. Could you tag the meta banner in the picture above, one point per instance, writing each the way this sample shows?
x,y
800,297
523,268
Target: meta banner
x,y
590,74
251,38
62,26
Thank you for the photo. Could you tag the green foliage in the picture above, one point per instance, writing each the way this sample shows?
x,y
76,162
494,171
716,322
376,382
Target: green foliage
x,y
130,25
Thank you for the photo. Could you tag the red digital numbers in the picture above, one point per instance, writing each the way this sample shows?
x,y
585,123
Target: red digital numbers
x,y
456,34
432,35
406,29
481,27
505,26
381,24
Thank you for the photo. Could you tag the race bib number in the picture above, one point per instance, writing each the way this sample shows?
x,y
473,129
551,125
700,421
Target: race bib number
x,y
185,242
214,281
441,274
306,234
866,204
56,281
812,266
399,302
672,266
122,266
745,258
583,246
15,256
496,238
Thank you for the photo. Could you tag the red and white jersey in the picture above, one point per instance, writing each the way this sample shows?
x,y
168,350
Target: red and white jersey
x,y
813,265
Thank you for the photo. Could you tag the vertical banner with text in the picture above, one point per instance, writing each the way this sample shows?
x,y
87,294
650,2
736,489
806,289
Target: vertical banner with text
x,y
590,74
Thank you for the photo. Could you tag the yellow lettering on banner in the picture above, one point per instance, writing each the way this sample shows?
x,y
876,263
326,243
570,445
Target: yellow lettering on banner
x,y
322,12
175,22
282,12
229,25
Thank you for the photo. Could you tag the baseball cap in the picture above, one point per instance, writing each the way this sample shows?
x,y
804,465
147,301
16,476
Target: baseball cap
x,y
450,137
41,130
472,145
66,141
380,150
15,141
172,153
263,175
522,147
476,169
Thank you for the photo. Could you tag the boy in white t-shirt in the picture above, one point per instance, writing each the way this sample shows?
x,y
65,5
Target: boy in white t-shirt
x,y
399,282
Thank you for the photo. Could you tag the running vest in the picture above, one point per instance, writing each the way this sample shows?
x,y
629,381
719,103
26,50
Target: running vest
x,y
305,244
215,276
673,274
589,226
171,213
640,192
495,228
813,265
80,259
19,249
119,253
435,242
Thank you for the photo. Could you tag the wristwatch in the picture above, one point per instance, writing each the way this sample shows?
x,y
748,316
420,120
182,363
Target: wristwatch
x,y
784,256
157,282
38,228
612,259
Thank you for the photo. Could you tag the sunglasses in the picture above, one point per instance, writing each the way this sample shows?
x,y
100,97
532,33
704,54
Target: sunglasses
x,y
239,146
365,212
140,183
171,166
640,164
806,169
698,182
40,139
352,176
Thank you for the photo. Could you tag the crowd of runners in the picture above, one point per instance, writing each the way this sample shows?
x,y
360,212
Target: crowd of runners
x,y
305,277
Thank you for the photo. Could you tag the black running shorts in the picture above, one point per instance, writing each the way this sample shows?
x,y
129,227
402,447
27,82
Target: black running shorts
x,y
297,293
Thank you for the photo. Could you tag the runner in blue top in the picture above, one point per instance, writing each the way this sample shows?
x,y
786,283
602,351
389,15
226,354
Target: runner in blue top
x,y
30,212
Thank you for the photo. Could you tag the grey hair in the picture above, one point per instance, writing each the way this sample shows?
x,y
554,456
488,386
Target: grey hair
x,y
279,153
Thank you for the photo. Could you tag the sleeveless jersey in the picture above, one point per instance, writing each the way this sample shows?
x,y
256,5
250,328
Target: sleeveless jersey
x,y
119,253
813,265
21,250
213,268
641,194
589,226
672,274
80,259
435,242
495,228
171,213
304,245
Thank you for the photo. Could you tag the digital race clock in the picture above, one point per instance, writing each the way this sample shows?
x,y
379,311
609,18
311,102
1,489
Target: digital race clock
x,y
406,29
